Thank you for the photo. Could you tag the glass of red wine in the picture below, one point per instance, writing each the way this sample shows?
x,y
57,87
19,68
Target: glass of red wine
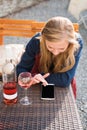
x,y
24,80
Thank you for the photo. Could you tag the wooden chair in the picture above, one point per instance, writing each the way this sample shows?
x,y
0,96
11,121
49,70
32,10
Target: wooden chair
x,y
26,28
19,28
22,28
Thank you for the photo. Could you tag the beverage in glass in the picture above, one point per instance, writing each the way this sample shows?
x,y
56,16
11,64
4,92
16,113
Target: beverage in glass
x,y
24,80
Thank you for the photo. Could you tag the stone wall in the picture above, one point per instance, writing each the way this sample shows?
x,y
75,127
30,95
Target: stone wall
x,y
9,6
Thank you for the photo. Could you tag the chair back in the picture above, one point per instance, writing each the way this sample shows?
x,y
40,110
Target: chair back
x,y
22,28
19,28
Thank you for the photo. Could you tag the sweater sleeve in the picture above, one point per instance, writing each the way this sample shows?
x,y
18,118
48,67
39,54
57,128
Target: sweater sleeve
x,y
28,58
64,79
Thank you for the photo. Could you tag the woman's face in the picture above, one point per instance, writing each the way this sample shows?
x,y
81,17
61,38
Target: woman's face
x,y
57,47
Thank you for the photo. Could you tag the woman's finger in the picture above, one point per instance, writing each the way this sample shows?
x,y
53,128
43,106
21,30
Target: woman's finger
x,y
46,75
40,78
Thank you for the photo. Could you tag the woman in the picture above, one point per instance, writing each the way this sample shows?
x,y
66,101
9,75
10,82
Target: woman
x,y
53,54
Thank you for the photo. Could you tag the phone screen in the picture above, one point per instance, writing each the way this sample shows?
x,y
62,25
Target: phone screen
x,y
48,92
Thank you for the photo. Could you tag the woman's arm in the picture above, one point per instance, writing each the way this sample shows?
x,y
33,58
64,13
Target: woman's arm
x,y
28,58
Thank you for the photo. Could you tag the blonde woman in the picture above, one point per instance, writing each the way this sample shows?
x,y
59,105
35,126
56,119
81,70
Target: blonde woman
x,y
53,54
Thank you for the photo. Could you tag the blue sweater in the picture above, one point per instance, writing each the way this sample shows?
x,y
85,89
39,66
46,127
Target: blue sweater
x,y
29,63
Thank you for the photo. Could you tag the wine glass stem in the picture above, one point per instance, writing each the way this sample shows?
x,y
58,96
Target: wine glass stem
x,y
25,92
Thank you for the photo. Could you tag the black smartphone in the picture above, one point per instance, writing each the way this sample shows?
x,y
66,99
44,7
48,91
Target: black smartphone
x,y
47,92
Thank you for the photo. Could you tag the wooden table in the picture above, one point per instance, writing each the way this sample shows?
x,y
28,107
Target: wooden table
x,y
60,114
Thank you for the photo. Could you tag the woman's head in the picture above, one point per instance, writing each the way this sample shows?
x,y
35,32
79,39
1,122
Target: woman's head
x,y
57,29
58,44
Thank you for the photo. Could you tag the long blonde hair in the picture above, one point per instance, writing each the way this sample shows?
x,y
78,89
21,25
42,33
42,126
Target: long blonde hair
x,y
56,29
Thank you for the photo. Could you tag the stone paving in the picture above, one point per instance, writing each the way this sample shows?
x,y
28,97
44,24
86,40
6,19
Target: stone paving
x,y
42,12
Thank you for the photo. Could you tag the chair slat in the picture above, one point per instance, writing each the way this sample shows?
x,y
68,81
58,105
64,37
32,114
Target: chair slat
x,y
16,21
76,27
21,33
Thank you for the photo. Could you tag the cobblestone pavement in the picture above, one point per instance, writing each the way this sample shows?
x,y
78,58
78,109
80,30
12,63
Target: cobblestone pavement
x,y
42,12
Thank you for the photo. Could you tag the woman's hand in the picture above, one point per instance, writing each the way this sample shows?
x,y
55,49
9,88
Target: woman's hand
x,y
40,78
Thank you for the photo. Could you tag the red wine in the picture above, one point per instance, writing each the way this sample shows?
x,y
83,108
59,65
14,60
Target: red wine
x,y
10,92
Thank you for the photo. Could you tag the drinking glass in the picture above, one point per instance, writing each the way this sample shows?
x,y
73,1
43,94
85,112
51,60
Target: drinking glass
x,y
24,80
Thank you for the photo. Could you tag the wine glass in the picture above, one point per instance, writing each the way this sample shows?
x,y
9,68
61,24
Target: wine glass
x,y
24,80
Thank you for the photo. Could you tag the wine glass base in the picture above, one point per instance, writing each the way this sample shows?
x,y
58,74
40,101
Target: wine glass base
x,y
25,101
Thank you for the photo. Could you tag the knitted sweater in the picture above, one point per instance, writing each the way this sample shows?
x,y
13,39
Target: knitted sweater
x,y
30,62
